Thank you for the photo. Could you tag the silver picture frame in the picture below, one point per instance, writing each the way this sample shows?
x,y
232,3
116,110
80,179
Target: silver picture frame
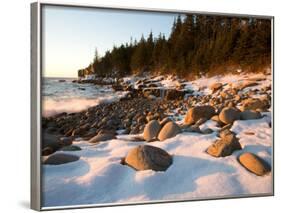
x,y
36,100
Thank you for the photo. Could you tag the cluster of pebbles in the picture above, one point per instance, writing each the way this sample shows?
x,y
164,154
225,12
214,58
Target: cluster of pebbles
x,y
149,111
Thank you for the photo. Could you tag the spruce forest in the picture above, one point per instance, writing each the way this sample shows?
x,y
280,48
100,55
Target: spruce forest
x,y
197,45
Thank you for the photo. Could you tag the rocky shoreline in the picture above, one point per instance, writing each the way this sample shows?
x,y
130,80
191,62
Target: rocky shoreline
x,y
158,113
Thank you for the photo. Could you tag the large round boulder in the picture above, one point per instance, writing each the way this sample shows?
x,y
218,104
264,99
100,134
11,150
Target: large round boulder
x,y
145,157
250,115
151,130
254,164
195,113
60,158
229,115
169,130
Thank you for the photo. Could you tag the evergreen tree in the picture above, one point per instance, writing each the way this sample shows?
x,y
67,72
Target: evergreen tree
x,y
197,44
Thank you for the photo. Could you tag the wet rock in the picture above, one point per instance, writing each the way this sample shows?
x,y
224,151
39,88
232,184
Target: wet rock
x,y
195,113
151,130
254,164
250,115
60,158
169,130
91,133
71,148
229,115
50,140
106,131
51,129
102,137
47,151
66,141
146,157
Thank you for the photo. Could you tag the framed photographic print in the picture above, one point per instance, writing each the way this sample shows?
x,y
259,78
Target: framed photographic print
x,y
137,105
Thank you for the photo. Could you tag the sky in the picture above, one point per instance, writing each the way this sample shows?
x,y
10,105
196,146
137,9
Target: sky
x,y
70,34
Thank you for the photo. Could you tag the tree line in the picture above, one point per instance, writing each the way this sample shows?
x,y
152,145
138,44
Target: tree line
x,y
197,45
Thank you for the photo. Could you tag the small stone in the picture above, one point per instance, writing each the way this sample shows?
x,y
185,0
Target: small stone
x,y
249,133
60,158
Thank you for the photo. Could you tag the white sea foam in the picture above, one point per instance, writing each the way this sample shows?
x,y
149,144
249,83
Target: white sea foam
x,y
71,97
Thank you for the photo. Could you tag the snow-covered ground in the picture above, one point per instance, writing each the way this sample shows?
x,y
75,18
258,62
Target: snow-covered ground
x,y
99,178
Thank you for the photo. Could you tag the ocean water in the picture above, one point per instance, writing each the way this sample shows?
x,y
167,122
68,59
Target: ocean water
x,y
58,97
